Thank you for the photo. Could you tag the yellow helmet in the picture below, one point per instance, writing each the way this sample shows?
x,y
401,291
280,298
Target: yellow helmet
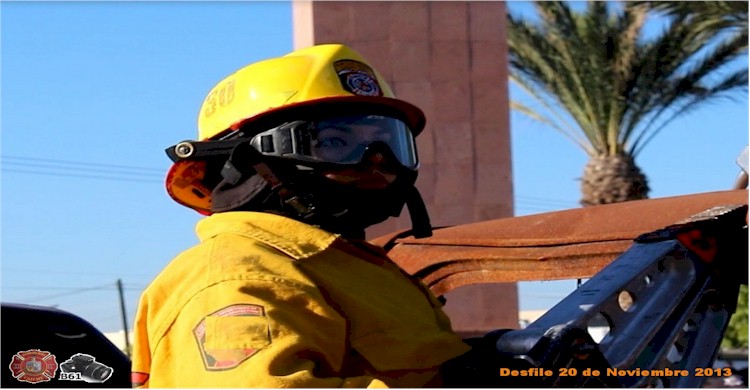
x,y
318,75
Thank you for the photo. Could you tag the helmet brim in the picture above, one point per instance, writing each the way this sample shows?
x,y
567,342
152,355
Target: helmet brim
x,y
184,184
409,113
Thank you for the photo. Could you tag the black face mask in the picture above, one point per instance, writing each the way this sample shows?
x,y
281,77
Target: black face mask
x,y
348,210
335,206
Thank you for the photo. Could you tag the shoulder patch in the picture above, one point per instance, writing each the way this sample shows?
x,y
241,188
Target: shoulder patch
x,y
226,357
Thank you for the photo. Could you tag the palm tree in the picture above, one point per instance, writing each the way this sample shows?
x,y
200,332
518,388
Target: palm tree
x,y
617,87
705,15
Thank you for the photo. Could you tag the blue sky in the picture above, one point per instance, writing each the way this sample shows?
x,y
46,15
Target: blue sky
x,y
93,92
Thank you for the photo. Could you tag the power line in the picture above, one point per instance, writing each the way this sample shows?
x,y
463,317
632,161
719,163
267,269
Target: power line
x,y
80,169
545,201
37,288
78,291
531,204
134,286
91,168
80,176
33,165
131,288
32,270
84,163
535,210
547,204
107,318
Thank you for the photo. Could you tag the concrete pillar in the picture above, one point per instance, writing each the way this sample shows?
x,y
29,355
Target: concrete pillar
x,y
448,58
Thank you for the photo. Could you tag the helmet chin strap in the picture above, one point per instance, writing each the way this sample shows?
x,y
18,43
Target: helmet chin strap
x,y
325,203
245,159
420,219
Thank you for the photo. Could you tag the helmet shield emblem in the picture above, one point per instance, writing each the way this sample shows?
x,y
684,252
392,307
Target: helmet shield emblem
x,y
357,78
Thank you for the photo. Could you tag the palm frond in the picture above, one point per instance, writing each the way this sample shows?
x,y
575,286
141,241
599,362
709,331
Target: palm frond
x,y
619,87
550,116
704,15
691,87
700,98
558,67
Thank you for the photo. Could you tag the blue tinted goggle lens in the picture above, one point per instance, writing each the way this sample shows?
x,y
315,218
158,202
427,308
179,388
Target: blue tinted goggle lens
x,y
341,140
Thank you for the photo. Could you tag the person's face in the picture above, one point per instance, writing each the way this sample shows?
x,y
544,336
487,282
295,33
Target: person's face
x,y
347,143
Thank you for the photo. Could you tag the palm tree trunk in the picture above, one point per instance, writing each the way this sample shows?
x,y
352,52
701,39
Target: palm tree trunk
x,y
612,179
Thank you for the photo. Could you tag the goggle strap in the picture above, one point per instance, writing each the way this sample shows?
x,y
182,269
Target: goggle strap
x,y
420,219
230,173
267,174
240,158
278,141
299,204
266,144
245,155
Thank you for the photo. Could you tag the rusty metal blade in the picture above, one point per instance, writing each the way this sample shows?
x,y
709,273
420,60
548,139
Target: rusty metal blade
x,y
567,244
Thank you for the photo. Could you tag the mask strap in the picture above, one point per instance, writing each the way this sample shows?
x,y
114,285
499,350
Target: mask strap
x,y
244,155
420,219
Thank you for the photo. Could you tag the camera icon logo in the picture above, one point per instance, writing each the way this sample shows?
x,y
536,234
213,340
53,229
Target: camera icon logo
x,y
83,367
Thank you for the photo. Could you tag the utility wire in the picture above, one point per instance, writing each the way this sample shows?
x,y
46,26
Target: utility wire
x,y
89,170
524,204
81,176
80,169
72,272
546,201
38,288
132,288
93,168
78,291
83,163
542,199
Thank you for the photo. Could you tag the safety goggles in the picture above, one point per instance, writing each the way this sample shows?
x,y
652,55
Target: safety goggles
x,y
339,140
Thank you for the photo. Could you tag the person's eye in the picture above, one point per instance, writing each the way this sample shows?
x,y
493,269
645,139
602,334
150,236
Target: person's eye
x,y
330,142
383,136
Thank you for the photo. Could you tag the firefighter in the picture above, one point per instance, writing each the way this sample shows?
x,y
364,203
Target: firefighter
x,y
297,156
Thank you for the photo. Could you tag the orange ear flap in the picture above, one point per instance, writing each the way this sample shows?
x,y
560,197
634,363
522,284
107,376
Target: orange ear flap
x,y
185,185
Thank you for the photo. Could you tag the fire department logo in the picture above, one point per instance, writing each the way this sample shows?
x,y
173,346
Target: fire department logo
x,y
357,78
33,366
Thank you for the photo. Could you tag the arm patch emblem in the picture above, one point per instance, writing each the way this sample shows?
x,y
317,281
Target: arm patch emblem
x,y
221,359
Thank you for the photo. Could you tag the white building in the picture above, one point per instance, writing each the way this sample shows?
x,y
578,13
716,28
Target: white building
x,y
118,338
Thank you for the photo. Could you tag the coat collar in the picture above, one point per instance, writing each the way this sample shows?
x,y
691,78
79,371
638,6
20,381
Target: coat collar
x,y
298,240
